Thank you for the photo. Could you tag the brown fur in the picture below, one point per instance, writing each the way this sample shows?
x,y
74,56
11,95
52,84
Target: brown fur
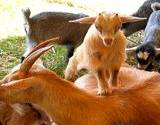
x,y
136,102
102,51
22,114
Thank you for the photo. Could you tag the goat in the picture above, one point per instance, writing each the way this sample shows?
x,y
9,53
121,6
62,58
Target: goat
x,y
137,103
102,51
23,114
45,25
146,52
144,10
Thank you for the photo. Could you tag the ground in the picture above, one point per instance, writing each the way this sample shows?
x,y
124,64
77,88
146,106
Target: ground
x,y
12,41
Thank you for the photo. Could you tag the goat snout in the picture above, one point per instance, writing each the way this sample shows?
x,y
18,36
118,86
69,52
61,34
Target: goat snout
x,y
108,41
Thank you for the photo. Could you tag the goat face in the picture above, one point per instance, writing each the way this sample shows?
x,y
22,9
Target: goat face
x,y
108,24
145,54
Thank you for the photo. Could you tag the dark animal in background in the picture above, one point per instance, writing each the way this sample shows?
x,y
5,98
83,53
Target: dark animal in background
x,y
147,52
144,11
46,25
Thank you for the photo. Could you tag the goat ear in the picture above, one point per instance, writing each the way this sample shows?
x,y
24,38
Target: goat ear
x,y
18,87
126,19
130,50
29,61
84,20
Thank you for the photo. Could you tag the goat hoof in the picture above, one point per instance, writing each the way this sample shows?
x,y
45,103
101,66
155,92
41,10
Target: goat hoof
x,y
70,75
101,93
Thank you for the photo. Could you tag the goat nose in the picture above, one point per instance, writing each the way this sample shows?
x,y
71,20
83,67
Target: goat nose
x,y
108,41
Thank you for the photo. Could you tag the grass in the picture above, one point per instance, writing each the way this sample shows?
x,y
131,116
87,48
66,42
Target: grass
x,y
12,48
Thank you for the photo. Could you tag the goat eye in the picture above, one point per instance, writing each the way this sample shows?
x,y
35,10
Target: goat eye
x,y
117,28
98,27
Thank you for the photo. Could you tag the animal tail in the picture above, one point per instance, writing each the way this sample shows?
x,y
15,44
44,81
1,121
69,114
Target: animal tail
x,y
155,6
26,15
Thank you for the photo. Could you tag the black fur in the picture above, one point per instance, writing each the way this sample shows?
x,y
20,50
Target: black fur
x,y
149,48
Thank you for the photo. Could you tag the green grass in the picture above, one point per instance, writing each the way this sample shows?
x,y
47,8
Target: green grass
x,y
12,48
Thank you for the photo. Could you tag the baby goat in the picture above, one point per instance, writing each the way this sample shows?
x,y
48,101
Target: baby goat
x,y
146,52
45,25
102,51
137,103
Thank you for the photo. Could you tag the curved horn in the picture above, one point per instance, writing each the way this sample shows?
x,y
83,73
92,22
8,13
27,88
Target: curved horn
x,y
29,61
84,20
129,50
43,44
157,50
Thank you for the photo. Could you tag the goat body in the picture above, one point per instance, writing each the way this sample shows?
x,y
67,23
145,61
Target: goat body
x,y
102,51
45,25
134,103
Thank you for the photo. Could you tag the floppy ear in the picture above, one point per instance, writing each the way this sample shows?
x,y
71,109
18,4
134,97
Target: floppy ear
x,y
84,20
126,19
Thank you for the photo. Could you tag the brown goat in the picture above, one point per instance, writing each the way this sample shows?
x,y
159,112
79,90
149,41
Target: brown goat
x,y
22,114
102,51
135,103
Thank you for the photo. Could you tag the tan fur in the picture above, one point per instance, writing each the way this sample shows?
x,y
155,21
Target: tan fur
x,y
102,51
136,102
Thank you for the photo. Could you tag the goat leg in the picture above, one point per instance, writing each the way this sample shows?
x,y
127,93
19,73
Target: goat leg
x,y
71,69
100,76
113,80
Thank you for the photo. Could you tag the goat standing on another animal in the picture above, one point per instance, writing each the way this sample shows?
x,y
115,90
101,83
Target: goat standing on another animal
x,y
146,52
137,103
102,51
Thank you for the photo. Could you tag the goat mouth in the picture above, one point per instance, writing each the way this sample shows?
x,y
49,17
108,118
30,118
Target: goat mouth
x,y
140,66
107,43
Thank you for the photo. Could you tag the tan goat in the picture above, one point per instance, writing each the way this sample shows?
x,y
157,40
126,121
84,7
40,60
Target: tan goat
x,y
135,103
102,51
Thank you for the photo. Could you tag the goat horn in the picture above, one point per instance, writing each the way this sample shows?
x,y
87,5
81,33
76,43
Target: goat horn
x,y
158,50
43,44
29,61
129,50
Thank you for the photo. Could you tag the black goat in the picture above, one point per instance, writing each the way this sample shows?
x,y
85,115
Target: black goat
x,y
146,53
47,25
